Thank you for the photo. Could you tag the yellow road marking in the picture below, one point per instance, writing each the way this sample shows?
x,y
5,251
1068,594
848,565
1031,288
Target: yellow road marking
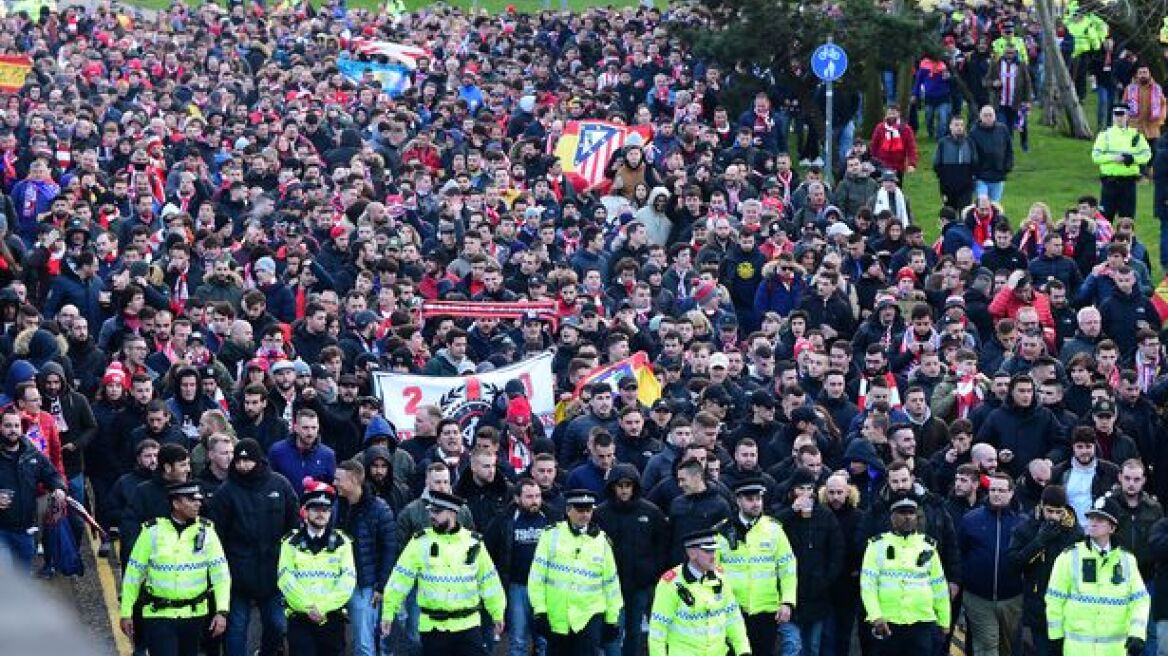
x,y
109,593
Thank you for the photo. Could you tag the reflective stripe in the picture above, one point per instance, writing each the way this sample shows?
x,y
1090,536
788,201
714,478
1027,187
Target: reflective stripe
x,y
1098,640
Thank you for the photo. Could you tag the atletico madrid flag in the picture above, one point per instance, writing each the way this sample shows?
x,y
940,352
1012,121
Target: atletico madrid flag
x,y
13,70
586,147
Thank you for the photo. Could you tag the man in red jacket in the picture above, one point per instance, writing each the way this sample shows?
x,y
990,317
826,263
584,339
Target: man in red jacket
x,y
894,145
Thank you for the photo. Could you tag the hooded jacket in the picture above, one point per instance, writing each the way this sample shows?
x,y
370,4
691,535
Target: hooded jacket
x,y
637,530
393,490
485,501
657,224
370,523
79,425
870,481
251,513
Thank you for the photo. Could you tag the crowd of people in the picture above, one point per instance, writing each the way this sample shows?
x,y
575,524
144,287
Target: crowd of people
x,y
213,240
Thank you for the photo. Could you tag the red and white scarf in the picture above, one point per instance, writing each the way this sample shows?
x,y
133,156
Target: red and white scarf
x,y
969,394
910,339
1147,372
893,392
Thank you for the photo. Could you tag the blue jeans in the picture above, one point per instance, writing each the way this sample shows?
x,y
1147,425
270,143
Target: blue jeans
x,y
1106,95
632,618
410,617
1150,644
519,619
937,118
77,488
992,189
790,640
21,548
837,632
811,633
364,620
271,616
888,77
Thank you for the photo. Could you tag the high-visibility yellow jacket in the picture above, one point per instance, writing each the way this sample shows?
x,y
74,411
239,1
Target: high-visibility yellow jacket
x,y
1095,602
323,579
901,580
454,575
170,564
695,617
1120,141
573,578
1001,43
759,566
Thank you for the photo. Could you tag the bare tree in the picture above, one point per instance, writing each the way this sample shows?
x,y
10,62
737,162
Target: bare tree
x,y
1062,88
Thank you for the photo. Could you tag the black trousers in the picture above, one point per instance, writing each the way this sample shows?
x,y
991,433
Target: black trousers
x,y
763,633
306,638
164,636
453,643
586,642
908,639
1118,196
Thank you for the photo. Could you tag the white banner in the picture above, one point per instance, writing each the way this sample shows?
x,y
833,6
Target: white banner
x,y
465,398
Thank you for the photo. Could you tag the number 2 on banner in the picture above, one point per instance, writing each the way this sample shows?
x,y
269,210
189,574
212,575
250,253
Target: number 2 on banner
x,y
412,396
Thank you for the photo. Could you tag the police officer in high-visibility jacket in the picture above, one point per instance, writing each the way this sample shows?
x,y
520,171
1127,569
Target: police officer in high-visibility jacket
x,y
316,575
759,565
573,585
454,575
1096,602
902,586
1119,153
176,569
694,610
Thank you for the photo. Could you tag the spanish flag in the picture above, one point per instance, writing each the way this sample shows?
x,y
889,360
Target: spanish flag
x,y
1160,298
13,70
636,366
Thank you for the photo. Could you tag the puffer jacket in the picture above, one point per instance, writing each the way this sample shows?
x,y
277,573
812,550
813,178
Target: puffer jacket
x,y
1029,432
637,530
371,525
251,514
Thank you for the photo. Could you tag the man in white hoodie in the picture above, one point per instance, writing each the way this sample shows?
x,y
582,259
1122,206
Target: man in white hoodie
x,y
653,217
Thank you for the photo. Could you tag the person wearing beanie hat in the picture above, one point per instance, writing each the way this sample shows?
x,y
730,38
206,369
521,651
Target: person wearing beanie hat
x,y
317,575
247,536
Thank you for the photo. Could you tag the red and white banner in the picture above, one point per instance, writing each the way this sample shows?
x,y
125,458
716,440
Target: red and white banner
x,y
465,398
398,52
546,310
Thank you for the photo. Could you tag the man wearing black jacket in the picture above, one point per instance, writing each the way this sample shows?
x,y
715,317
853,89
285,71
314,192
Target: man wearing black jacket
x,y
22,468
149,500
74,418
640,539
253,509
511,539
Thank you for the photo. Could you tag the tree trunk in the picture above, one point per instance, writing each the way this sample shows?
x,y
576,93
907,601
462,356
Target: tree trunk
x,y
1060,76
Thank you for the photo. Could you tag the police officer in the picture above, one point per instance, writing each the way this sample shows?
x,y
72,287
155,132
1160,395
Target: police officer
x,y
573,586
454,575
753,551
1119,153
316,575
1096,602
694,610
903,587
176,569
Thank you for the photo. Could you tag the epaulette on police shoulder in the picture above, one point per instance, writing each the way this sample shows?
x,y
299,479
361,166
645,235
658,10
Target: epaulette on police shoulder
x,y
669,575
206,522
150,522
419,533
476,536
289,534
932,542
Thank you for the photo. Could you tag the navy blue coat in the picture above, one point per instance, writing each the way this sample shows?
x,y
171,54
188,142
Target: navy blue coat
x,y
371,525
984,538
68,289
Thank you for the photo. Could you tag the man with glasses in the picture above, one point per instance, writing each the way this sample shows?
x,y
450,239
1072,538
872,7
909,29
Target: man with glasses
x,y
993,600
176,570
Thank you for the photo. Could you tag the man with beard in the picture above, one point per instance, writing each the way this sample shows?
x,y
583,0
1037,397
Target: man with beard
x,y
1085,477
875,368
931,433
158,425
574,441
370,523
381,479
257,421
284,393
88,362
75,423
640,539
149,500
188,403
741,271
934,521
965,494
251,510
238,348
450,604
511,539
904,619
1034,545
902,442
23,471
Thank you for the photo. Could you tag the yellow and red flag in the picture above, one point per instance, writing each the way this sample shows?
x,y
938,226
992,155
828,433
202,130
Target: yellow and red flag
x,y
13,70
636,366
586,147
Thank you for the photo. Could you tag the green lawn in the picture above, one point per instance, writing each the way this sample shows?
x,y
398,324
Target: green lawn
x,y
1056,171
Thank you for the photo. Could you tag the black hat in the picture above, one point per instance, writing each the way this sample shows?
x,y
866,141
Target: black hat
x,y
1101,508
803,413
751,485
906,504
349,380
531,316
801,476
662,404
1054,496
369,400
1103,407
318,371
600,387
322,497
1119,110
208,372
580,497
628,382
705,539
444,501
248,449
188,489
717,394
762,398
